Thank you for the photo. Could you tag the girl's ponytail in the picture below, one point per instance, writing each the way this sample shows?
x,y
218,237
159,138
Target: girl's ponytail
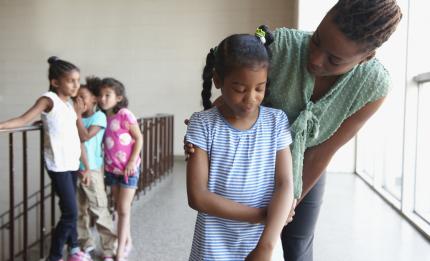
x,y
207,79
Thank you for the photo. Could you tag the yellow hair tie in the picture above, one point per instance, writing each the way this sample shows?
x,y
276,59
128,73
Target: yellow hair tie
x,y
261,34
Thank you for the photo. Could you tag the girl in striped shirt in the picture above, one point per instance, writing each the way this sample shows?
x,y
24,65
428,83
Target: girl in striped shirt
x,y
239,177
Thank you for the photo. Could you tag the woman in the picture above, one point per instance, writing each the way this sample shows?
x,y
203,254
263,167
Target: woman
x,y
329,84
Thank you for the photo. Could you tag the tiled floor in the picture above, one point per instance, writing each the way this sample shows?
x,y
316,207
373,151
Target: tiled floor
x,y
354,225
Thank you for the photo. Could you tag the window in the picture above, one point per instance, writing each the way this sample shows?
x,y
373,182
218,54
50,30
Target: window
x,y
393,148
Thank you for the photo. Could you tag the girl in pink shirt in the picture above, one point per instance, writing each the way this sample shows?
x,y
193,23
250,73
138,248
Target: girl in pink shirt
x,y
122,145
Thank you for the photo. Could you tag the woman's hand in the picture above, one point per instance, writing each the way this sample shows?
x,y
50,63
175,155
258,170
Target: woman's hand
x,y
292,212
260,254
188,147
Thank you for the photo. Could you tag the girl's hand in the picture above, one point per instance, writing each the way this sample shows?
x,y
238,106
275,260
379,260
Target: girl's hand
x,y
79,105
86,177
260,254
130,168
263,215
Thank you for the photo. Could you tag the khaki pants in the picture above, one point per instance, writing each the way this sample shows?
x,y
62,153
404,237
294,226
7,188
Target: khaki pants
x,y
92,202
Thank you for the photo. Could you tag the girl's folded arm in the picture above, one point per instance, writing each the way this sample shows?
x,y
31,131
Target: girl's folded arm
x,y
84,133
282,200
202,200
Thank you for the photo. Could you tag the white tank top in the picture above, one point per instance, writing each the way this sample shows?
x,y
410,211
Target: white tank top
x,y
62,146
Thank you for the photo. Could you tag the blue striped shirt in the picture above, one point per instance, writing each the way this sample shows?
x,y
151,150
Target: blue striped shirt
x,y
241,168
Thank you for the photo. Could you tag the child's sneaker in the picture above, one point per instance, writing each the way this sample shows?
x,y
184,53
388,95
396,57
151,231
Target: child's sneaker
x,y
79,256
127,250
91,251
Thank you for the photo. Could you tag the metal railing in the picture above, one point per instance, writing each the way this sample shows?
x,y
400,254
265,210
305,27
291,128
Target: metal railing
x,y
422,78
157,160
157,151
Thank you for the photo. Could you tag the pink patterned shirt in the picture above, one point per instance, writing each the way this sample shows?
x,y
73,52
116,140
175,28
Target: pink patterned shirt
x,y
118,143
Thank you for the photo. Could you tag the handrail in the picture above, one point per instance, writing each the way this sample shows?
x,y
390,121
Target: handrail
x,y
36,126
157,160
422,78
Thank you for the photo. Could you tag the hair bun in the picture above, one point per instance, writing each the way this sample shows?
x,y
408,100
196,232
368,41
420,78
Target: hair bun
x,y
268,36
53,59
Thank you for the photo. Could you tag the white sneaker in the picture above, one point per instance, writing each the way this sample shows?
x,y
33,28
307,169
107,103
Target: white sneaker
x,y
89,249
127,250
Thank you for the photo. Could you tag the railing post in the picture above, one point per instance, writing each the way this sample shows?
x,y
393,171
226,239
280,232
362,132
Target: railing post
x,y
25,192
164,145
145,153
11,201
42,200
140,186
172,129
157,149
151,152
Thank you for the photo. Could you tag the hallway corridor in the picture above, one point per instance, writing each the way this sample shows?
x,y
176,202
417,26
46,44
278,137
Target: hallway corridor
x,y
355,224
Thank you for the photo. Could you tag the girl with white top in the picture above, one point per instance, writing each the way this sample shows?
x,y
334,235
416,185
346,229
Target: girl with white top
x,y
62,150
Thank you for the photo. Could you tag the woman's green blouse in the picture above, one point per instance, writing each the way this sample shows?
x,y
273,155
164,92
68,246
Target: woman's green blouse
x,y
291,87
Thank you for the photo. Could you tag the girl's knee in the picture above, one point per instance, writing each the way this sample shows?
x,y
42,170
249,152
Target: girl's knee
x,y
123,211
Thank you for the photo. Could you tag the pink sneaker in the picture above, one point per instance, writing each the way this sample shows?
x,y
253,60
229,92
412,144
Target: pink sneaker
x,y
79,256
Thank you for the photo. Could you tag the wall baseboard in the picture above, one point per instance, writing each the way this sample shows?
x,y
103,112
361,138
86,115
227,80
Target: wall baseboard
x,y
179,157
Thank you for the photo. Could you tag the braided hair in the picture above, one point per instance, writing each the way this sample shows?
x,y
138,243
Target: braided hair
x,y
59,68
235,51
368,22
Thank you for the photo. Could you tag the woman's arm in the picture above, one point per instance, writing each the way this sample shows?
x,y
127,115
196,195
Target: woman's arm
x,y
281,203
42,104
137,146
317,158
202,200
